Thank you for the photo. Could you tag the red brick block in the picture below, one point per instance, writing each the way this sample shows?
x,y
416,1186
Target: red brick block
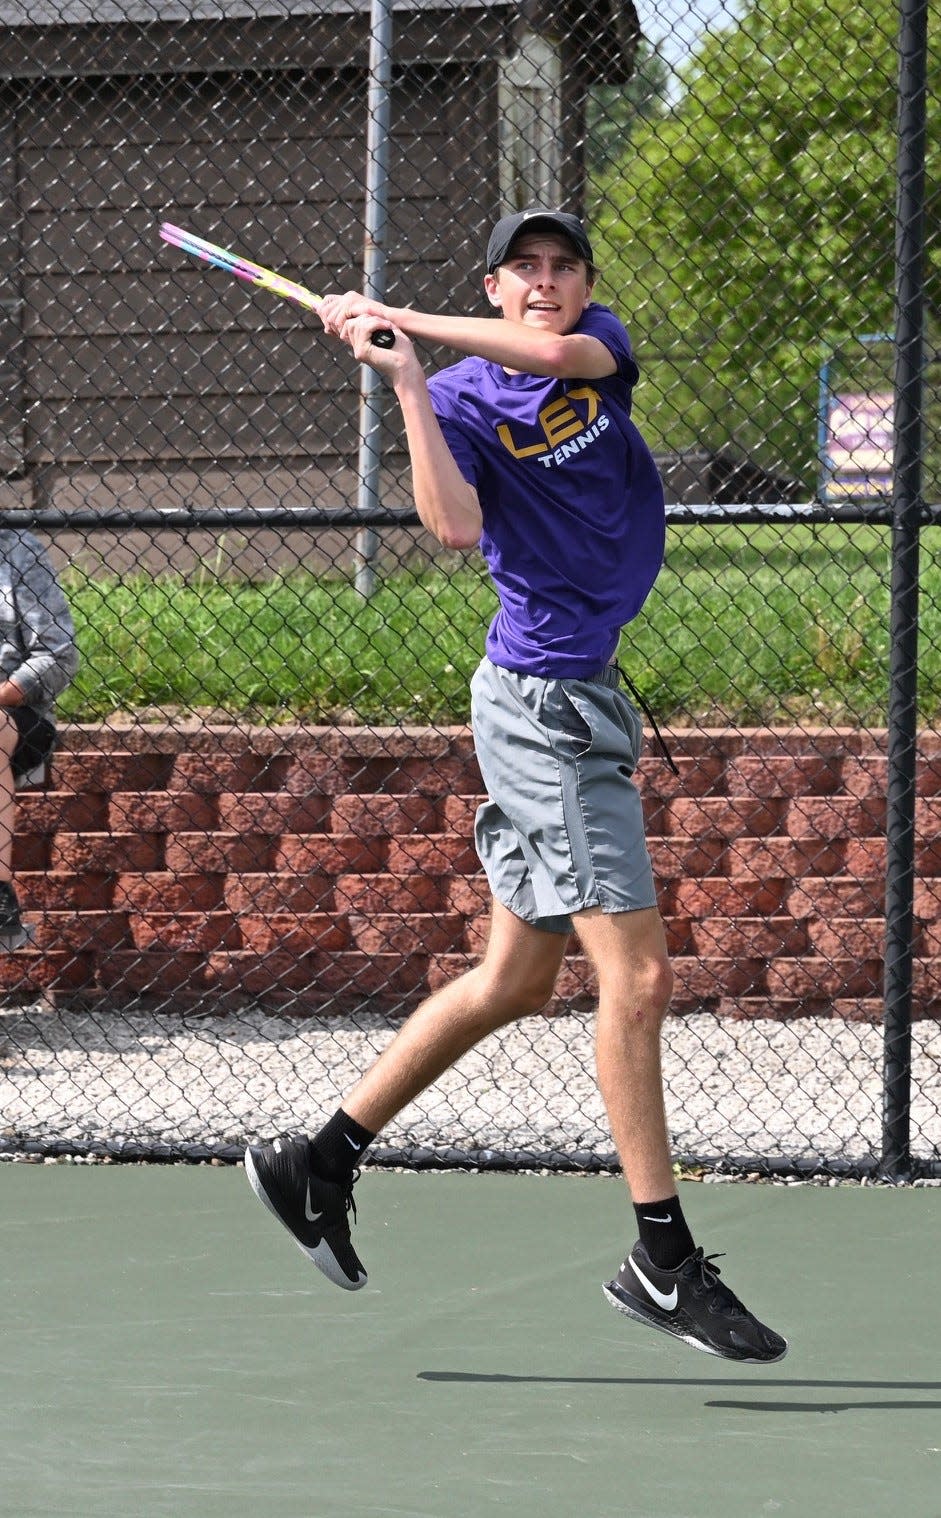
x,y
353,975
316,774
928,940
784,858
381,815
31,851
329,854
710,978
90,770
678,858
294,933
30,972
775,1009
420,933
703,775
576,988
158,973
59,891
443,968
748,937
162,812
255,812
212,773
865,859
259,975
163,892
859,1009
459,814
784,775
928,818
865,775
453,776
114,852
61,812
841,897
185,932
475,936
836,817
730,817
823,979
718,896
928,857
368,894
849,938
467,894
94,932
926,987
928,900
927,776
679,935
274,893
436,854
827,742
216,853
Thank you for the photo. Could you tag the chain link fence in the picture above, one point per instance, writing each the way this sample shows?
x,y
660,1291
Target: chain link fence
x,y
251,854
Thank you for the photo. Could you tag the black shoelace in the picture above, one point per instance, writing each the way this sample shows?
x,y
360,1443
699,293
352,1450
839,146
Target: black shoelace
x,y
709,1276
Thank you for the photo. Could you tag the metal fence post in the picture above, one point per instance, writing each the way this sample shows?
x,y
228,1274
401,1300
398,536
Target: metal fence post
x,y
374,278
906,513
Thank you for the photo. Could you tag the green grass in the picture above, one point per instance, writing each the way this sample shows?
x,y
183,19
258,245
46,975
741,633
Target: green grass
x,y
745,625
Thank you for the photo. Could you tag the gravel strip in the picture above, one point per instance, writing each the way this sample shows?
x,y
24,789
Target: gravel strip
x,y
799,1091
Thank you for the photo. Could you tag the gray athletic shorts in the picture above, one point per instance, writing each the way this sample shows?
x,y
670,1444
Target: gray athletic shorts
x,y
562,828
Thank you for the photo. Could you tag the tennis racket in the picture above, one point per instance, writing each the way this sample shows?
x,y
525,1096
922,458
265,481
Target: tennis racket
x,y
254,274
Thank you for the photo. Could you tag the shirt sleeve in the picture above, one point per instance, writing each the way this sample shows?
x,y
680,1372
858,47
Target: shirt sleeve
x,y
463,451
600,321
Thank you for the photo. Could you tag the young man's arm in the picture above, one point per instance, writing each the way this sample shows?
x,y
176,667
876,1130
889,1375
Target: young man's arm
x,y
515,345
445,502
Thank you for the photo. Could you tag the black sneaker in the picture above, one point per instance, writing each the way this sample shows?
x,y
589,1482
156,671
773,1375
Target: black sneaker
x,y
312,1209
14,933
692,1304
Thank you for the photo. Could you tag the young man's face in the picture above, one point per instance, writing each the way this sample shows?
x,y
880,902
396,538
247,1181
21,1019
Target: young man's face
x,y
543,283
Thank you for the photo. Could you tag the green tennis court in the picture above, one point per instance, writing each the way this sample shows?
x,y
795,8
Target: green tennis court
x,y
168,1351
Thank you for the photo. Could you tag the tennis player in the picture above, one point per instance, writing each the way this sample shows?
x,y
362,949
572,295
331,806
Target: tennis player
x,y
526,448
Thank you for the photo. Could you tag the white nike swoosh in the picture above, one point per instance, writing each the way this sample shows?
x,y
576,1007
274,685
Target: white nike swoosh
x,y
310,1216
352,1143
663,1299
648,1219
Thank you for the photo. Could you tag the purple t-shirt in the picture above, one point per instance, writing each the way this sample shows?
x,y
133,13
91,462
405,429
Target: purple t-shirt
x,y
573,518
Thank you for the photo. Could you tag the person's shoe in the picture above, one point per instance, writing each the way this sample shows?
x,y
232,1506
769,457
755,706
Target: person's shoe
x,y
14,932
312,1209
692,1304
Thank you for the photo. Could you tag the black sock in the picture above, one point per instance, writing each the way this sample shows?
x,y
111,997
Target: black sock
x,y
664,1233
338,1148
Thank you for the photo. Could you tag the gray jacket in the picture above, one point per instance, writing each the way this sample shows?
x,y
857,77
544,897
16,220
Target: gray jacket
x,y
37,638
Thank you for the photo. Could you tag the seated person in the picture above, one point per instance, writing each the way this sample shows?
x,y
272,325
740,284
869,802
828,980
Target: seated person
x,y
38,659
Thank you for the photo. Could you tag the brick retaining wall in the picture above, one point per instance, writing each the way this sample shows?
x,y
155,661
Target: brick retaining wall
x,y
306,868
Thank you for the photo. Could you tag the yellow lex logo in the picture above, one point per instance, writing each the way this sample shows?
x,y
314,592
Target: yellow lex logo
x,y
558,420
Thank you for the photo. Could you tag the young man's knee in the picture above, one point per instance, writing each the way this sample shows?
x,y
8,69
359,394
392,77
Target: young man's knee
x,y
651,989
511,998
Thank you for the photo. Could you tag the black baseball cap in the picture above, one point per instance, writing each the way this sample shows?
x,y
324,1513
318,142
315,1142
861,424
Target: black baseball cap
x,y
508,228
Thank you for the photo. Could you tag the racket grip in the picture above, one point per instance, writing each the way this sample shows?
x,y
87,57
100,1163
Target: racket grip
x,y
383,337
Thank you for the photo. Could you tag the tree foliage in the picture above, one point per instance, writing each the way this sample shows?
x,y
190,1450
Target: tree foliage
x,y
750,227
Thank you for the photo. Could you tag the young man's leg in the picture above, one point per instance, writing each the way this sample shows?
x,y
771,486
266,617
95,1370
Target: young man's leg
x,y
13,933
665,1281
308,1184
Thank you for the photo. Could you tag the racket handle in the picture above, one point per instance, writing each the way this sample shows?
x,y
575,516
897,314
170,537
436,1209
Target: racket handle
x,y
383,337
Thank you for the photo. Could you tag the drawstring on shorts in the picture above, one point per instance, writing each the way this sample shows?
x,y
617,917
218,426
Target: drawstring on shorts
x,y
636,696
